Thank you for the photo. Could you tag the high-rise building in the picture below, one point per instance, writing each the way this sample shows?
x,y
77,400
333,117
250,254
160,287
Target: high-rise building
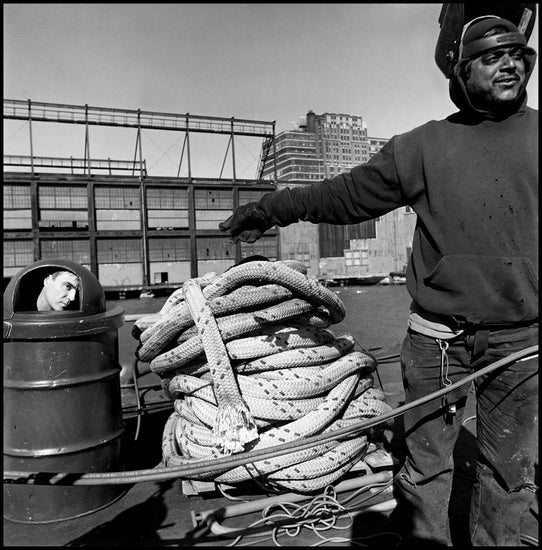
x,y
323,146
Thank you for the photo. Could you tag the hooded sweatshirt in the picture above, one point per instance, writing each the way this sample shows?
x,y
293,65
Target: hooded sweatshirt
x,y
472,180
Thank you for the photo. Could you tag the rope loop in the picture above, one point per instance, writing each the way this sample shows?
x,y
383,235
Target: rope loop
x,y
249,360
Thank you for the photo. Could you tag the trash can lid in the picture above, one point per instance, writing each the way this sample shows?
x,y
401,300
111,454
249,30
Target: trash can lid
x,y
24,288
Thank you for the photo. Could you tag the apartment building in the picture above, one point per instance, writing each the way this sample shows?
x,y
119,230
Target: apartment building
x,y
323,146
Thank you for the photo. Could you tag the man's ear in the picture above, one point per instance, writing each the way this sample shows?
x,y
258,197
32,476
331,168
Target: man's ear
x,y
47,280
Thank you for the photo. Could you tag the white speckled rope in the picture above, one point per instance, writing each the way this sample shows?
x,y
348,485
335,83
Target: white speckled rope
x,y
314,422
307,424
278,273
195,431
242,348
294,387
263,273
300,357
234,425
176,319
254,365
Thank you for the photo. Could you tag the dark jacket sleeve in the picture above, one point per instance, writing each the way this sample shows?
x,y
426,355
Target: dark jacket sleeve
x,y
366,192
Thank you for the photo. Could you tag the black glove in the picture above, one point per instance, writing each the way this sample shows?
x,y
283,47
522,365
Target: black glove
x,y
247,223
251,220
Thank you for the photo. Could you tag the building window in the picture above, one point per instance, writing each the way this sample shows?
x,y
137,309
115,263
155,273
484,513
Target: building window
x,y
63,208
169,250
119,251
214,248
124,198
302,257
266,246
18,253
74,250
213,199
250,195
16,196
167,199
62,197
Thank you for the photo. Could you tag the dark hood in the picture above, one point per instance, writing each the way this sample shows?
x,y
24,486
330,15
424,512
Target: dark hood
x,y
458,91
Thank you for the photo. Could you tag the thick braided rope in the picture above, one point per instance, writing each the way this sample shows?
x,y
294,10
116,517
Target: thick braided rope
x,y
293,387
272,409
283,363
305,477
294,379
195,431
297,387
199,412
238,324
315,420
234,426
300,465
260,272
175,299
302,357
230,327
178,318
312,423
279,273
243,348
331,461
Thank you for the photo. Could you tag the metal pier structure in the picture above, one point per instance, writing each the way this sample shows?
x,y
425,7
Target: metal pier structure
x,y
27,110
81,207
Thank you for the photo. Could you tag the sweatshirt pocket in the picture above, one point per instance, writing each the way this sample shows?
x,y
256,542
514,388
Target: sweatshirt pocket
x,y
482,289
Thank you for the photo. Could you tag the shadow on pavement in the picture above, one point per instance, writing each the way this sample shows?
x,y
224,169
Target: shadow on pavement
x,y
136,526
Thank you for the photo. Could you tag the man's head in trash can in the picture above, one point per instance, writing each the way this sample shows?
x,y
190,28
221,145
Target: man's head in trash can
x,y
58,292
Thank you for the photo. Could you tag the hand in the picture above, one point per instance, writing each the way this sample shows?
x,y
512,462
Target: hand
x,y
247,223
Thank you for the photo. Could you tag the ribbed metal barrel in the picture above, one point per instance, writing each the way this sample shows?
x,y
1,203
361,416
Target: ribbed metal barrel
x,y
62,409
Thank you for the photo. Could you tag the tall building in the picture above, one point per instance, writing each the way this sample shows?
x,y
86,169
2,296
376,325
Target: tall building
x,y
323,146
298,159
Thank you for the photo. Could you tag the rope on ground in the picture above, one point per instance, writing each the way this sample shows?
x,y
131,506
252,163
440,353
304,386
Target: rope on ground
x,y
250,362
324,512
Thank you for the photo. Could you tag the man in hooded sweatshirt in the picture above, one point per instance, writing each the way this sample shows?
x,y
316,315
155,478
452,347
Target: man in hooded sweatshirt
x,y
472,180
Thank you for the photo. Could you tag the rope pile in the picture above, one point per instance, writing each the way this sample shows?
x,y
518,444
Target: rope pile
x,y
250,362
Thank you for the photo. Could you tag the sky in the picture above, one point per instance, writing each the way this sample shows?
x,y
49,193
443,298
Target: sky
x,y
268,62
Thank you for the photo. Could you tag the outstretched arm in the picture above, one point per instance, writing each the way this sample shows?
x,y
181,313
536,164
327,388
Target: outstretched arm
x,y
367,191
251,220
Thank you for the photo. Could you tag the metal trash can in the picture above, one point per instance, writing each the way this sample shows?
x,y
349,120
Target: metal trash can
x,y
62,400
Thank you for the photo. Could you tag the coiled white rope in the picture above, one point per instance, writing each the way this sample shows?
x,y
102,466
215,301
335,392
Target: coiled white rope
x,y
250,363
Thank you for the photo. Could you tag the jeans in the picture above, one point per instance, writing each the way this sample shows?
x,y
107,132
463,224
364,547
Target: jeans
x,y
507,436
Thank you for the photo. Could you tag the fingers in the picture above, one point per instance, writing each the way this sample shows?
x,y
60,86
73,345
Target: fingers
x,y
248,236
246,224
226,224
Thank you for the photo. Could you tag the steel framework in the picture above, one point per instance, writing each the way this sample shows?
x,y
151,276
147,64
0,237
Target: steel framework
x,y
30,111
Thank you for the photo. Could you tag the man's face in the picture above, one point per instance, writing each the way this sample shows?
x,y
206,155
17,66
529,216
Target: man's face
x,y
61,291
496,78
